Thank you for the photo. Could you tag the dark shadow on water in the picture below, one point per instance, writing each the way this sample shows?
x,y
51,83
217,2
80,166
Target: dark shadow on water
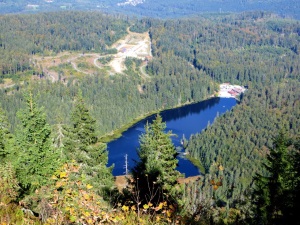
x,y
183,121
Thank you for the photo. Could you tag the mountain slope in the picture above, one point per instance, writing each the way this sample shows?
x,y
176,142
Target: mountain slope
x,y
156,8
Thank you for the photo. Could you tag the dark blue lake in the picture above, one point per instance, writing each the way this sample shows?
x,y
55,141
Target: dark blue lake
x,y
183,121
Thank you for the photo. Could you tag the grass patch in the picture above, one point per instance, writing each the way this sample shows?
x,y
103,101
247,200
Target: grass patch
x,y
65,69
83,65
62,66
7,81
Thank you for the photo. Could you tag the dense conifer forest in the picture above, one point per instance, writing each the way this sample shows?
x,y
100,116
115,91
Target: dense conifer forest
x,y
52,159
155,8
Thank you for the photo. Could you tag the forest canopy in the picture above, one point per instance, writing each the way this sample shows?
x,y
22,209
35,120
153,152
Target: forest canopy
x,y
63,121
156,8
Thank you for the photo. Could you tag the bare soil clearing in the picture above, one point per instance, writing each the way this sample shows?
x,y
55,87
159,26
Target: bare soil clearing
x,y
228,90
137,45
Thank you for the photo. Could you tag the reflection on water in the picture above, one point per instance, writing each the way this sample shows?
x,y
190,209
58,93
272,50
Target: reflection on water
x,y
182,121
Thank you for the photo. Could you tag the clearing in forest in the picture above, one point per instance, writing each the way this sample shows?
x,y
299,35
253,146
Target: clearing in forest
x,y
136,45
66,64
228,90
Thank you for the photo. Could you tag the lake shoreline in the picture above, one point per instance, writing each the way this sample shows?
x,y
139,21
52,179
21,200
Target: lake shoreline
x,y
226,90
182,122
118,132
121,143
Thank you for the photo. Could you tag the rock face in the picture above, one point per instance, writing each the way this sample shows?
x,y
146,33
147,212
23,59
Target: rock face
x,y
131,2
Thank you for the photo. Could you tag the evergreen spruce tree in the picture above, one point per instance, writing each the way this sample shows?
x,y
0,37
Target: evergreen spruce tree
x,y
155,176
81,144
292,196
36,160
274,195
261,196
6,138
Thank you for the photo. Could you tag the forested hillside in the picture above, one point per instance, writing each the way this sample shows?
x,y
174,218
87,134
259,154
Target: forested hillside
x,y
50,33
52,163
105,95
156,8
241,140
250,49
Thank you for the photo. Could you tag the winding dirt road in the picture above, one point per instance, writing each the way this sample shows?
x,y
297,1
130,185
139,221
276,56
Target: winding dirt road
x,y
137,45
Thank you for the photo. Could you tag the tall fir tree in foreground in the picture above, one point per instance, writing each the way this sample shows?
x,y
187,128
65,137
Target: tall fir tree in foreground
x,y
36,158
81,144
276,193
155,176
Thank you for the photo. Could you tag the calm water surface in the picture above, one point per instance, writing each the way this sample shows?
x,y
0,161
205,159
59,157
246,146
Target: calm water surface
x,y
182,121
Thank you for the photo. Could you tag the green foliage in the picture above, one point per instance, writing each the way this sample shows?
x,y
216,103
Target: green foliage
x,y
81,144
131,63
275,194
190,57
155,178
133,66
9,184
46,33
141,26
105,60
10,211
243,135
6,138
140,97
70,199
36,159
111,51
159,9
231,48
83,65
